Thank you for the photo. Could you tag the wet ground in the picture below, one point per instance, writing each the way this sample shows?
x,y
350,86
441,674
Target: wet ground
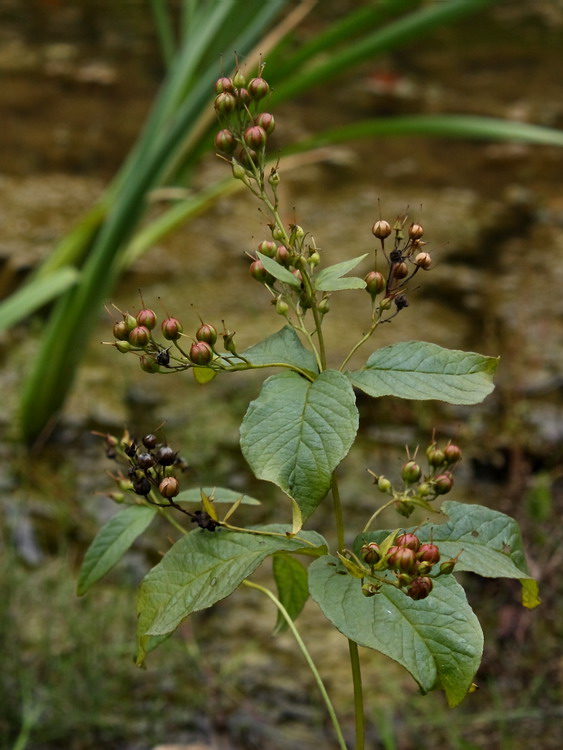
x,y
76,89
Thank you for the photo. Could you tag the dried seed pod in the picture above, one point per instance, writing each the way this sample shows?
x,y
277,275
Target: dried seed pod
x,y
381,229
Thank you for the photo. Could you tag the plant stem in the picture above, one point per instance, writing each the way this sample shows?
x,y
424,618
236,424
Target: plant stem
x,y
338,517
308,659
352,646
230,527
358,694
170,518
377,512
362,341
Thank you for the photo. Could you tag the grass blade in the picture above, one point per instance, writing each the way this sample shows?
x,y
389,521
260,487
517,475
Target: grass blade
x,y
412,26
34,295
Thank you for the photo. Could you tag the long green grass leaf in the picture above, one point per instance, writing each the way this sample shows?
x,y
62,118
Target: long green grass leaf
x,y
412,26
34,295
451,126
69,326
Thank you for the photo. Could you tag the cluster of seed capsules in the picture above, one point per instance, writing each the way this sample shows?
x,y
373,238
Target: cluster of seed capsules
x,y
150,463
150,473
412,562
420,488
242,139
137,334
405,260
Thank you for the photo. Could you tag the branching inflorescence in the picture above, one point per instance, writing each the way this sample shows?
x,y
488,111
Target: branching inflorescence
x,y
401,597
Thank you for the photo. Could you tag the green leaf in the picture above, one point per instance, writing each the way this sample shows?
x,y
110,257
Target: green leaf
x,y
201,569
293,588
217,494
330,279
488,543
530,593
441,126
279,272
296,433
204,375
111,542
491,541
34,294
437,639
285,347
419,370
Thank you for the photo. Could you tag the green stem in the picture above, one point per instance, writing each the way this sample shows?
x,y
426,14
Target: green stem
x,y
237,368
318,321
362,341
377,512
358,694
303,328
228,526
338,516
320,355
170,518
308,659
352,646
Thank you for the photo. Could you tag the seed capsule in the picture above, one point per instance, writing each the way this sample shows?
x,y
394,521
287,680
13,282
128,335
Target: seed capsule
x,y
416,231
141,486
384,485
283,256
429,553
165,456
149,364
201,353
255,137
147,318
371,589
121,330
324,306
447,567
145,461
411,472
420,588
266,121
452,453
400,270
242,98
208,333
169,487
258,88
139,337
282,308
371,553
443,483
258,272
225,142
403,559
268,248
239,79
375,283
435,456
381,229
225,103
249,158
171,329
408,539
424,260
224,84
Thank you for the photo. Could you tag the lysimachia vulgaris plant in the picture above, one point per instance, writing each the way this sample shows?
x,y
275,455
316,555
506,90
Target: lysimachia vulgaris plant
x,y
393,589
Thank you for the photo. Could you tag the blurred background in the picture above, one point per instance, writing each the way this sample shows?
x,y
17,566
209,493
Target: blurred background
x,y
79,84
